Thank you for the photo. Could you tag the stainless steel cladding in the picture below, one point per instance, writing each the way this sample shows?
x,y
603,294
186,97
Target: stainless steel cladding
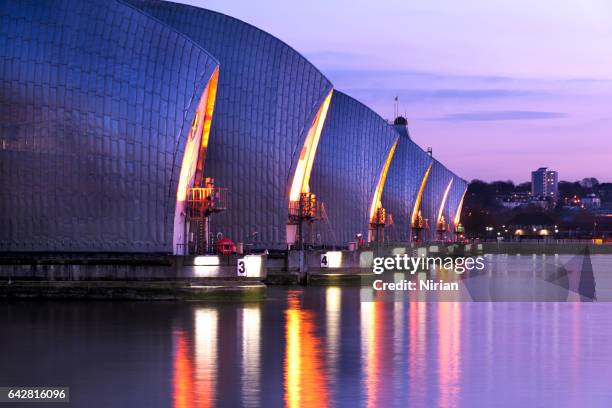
x,y
407,174
435,202
96,103
111,110
354,147
269,97
455,204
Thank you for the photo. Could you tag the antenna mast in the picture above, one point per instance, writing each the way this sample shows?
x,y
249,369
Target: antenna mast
x,y
396,107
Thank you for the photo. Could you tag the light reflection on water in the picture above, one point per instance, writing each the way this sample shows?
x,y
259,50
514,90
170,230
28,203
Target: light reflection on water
x,y
313,347
306,380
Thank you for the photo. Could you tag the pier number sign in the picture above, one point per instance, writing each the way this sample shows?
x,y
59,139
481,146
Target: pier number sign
x,y
241,267
324,261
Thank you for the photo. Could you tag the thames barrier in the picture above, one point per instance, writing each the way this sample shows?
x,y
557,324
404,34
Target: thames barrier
x,y
147,140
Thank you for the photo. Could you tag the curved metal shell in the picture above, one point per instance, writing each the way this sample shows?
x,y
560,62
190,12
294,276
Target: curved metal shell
x,y
268,98
408,172
96,103
354,147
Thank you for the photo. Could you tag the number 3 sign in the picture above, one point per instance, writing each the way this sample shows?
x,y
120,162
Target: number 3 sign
x,y
241,268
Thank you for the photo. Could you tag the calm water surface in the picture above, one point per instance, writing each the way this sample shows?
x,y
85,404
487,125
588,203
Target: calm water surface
x,y
316,346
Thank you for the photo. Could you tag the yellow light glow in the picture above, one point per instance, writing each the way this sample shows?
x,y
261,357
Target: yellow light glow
x,y
292,366
443,203
301,177
368,349
206,260
253,265
197,141
206,321
334,259
457,219
251,355
376,200
373,352
333,308
544,232
417,342
206,123
303,357
449,350
417,202
183,373
193,156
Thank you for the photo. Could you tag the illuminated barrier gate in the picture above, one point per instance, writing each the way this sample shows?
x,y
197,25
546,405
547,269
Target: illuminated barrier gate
x,y
457,221
378,215
377,225
191,173
202,202
303,205
416,220
441,226
306,209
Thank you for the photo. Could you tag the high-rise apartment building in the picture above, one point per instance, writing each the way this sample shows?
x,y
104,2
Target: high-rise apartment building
x,y
544,183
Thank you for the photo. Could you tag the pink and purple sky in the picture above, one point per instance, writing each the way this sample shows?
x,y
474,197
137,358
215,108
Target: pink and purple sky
x,y
496,88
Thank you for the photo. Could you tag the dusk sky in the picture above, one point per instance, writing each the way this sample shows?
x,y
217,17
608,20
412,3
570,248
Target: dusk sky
x,y
496,88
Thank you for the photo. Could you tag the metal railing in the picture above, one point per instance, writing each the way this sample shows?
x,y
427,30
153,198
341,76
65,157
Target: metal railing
x,y
204,201
307,208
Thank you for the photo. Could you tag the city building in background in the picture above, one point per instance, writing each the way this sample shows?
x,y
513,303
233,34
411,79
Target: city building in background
x,y
516,199
544,183
591,201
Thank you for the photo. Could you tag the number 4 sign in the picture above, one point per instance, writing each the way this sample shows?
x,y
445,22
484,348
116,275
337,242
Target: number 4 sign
x,y
324,262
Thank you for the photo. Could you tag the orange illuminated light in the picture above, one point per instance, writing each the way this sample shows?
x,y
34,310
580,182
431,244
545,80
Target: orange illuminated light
x,y
376,201
301,178
443,203
449,354
417,202
305,372
193,157
457,219
205,342
206,124
371,359
183,374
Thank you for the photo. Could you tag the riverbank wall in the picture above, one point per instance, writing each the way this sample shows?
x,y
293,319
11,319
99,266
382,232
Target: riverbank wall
x,y
213,277
131,276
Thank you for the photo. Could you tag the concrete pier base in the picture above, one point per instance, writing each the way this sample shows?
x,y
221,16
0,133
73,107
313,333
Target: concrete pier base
x,y
132,276
133,290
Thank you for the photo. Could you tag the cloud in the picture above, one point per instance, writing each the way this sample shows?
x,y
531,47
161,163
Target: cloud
x,y
499,115
424,95
395,74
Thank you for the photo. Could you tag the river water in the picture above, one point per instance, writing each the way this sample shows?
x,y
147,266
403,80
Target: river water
x,y
311,347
